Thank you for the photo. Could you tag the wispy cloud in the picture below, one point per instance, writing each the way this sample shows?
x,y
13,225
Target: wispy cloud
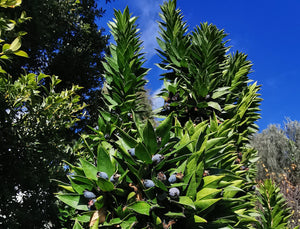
x,y
148,15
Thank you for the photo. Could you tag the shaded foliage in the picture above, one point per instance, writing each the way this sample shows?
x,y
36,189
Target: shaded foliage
x,y
63,39
35,136
279,151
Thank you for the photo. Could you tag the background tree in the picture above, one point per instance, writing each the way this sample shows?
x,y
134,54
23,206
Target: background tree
x,y
63,39
35,136
279,152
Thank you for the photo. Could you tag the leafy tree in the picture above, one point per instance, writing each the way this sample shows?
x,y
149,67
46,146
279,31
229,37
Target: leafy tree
x,y
124,72
201,78
35,123
193,170
278,149
63,39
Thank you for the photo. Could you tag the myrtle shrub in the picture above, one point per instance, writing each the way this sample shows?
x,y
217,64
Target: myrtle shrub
x,y
169,175
196,169
193,170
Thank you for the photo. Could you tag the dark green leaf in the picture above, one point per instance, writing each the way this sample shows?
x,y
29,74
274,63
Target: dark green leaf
x,y
140,207
77,225
142,153
89,169
149,138
207,192
199,219
184,200
204,204
75,201
163,130
175,214
79,187
104,163
105,185
131,142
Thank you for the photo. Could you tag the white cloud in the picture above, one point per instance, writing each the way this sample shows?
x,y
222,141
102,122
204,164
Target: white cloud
x,y
157,102
148,16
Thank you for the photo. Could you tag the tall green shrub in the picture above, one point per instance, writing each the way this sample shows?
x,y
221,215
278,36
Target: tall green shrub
x,y
273,207
201,77
124,73
196,168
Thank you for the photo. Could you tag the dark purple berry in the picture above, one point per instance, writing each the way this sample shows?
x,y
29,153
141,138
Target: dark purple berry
x,y
157,158
237,161
244,168
172,179
253,188
158,139
89,195
132,152
102,175
240,155
114,178
148,183
174,192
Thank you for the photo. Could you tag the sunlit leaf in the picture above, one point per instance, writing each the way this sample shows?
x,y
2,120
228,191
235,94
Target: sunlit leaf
x,y
89,169
75,201
140,207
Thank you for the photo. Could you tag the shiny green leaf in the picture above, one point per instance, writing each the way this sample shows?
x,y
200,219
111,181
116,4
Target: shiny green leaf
x,y
75,201
89,169
149,138
104,163
105,185
140,207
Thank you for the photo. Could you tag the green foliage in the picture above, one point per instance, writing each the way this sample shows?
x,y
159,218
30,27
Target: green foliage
x,y
63,39
201,79
7,25
274,213
35,136
214,192
124,74
10,3
196,169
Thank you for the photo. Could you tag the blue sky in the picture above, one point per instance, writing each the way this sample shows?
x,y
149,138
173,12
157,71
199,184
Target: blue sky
x,y
268,31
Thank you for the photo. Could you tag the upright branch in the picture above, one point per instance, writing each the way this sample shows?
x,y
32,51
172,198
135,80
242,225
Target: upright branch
x,y
124,73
